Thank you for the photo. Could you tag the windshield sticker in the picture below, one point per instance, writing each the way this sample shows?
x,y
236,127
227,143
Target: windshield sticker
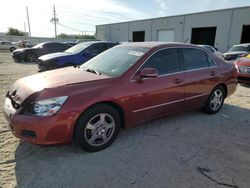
x,y
135,53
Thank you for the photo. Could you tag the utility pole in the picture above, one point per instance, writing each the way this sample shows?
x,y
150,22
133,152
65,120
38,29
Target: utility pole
x,y
24,28
54,20
28,20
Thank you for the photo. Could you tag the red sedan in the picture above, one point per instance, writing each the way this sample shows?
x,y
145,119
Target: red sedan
x,y
243,67
117,89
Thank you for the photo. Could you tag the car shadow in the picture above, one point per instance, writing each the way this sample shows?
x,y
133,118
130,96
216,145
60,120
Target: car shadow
x,y
163,152
245,85
26,63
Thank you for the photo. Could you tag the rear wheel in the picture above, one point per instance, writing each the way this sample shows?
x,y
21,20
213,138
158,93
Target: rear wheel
x,y
31,57
215,100
97,128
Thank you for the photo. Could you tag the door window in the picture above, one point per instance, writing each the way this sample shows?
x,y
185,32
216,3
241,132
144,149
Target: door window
x,y
97,48
165,61
194,59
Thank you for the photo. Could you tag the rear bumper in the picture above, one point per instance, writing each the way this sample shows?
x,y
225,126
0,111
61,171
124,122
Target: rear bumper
x,y
231,86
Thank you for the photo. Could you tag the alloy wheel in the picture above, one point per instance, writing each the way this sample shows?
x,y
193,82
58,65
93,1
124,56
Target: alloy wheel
x,y
31,57
216,100
99,129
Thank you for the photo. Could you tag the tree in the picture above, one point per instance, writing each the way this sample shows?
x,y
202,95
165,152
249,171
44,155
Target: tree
x,y
15,32
62,35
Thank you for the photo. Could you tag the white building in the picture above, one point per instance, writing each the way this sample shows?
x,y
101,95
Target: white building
x,y
219,28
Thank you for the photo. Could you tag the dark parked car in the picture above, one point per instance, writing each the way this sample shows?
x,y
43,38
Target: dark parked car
x,y
120,87
31,54
75,55
239,50
243,67
70,43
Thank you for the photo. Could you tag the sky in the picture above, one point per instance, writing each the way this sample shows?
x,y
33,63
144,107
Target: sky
x,y
81,16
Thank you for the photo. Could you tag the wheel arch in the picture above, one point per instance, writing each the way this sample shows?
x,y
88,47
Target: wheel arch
x,y
224,87
110,103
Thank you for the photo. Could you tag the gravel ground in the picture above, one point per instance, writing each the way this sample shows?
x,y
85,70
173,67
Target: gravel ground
x,y
161,153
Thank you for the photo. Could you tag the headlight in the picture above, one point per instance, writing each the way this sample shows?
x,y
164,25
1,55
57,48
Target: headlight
x,y
49,106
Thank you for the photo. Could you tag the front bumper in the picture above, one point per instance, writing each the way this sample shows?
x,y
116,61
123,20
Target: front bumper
x,y
41,68
244,78
18,56
55,129
44,66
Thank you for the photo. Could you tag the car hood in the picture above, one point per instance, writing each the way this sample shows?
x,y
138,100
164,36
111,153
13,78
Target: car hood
x,y
22,50
235,53
243,62
54,55
26,86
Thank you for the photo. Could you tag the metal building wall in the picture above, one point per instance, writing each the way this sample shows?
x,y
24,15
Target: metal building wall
x,y
221,20
229,24
240,17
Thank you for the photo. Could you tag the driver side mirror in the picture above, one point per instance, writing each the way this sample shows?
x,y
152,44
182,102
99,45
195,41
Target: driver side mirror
x,y
148,73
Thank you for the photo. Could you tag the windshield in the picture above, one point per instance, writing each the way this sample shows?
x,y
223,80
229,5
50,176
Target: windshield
x,y
78,48
38,45
239,48
115,61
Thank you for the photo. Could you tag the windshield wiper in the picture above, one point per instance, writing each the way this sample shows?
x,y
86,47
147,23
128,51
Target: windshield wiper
x,y
93,71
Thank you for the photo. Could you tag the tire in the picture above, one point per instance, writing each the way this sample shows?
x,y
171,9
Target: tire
x,y
215,100
31,57
97,128
12,49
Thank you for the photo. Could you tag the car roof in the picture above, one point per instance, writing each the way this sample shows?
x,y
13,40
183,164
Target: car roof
x,y
42,43
157,44
204,45
244,44
95,42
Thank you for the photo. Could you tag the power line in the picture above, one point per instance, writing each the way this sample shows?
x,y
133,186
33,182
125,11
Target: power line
x,y
56,22
69,27
73,29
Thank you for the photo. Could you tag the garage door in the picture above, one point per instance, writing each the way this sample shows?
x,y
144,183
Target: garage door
x,y
166,35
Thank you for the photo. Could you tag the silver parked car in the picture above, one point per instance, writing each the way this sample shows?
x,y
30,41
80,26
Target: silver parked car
x,y
236,51
6,45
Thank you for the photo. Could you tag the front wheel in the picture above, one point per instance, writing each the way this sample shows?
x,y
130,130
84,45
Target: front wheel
x,y
31,57
215,100
97,128
12,49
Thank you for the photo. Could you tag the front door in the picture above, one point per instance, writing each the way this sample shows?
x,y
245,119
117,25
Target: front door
x,y
161,95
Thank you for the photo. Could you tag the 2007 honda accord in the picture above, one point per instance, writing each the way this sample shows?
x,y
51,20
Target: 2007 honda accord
x,y
117,89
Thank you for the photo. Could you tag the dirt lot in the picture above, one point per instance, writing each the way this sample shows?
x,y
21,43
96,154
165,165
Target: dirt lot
x,y
161,153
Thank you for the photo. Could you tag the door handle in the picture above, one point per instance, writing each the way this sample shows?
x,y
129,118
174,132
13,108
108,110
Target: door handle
x,y
177,81
212,73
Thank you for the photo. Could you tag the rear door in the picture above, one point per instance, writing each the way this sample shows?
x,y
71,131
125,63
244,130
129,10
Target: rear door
x,y
161,95
201,74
